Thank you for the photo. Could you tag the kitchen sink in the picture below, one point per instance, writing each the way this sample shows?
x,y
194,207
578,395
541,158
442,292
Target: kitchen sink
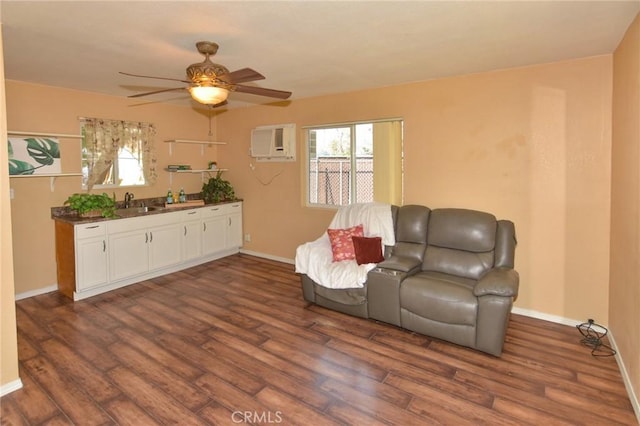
x,y
134,211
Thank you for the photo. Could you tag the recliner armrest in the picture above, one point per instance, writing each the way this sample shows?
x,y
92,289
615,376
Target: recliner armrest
x,y
401,263
498,282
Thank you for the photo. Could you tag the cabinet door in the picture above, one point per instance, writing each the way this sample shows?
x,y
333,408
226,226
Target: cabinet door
x,y
214,231
91,263
128,254
234,230
164,246
191,240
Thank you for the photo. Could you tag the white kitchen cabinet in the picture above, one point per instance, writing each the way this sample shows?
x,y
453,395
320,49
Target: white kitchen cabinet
x,y
234,226
214,229
142,244
191,235
222,228
93,258
165,246
91,255
128,253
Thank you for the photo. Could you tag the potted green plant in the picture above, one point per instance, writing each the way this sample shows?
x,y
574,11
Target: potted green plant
x,y
92,205
217,189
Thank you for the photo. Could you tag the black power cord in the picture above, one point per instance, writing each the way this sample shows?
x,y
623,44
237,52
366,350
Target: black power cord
x,y
593,334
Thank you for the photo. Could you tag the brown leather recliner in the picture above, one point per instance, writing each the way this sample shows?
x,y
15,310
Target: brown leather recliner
x,y
450,275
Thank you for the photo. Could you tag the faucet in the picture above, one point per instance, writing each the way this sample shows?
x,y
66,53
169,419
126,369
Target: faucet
x,y
127,199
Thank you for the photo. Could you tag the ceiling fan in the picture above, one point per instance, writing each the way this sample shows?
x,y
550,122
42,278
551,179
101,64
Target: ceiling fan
x,y
210,83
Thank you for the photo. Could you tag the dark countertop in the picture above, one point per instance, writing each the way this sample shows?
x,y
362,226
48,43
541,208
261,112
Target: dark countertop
x,y
65,214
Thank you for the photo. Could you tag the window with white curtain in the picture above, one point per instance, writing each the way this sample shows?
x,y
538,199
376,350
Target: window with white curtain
x,y
117,153
354,163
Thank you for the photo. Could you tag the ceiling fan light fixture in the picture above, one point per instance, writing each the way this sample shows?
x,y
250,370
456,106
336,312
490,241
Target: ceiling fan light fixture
x,y
209,95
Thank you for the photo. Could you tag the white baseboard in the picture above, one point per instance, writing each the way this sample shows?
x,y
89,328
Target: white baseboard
x,y
37,292
547,317
633,397
268,256
10,387
625,378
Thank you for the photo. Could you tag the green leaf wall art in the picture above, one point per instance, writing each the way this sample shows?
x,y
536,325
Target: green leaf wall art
x,y
33,156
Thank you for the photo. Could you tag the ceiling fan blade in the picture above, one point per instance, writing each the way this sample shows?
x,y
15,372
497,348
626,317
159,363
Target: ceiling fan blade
x,y
280,94
156,91
244,75
157,78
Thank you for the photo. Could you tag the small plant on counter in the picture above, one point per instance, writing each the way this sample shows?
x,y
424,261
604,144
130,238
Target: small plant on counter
x,y
217,190
92,205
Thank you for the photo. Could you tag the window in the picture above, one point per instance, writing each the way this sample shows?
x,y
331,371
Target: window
x,y
117,153
354,163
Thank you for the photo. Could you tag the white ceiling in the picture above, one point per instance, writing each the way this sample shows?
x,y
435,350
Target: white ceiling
x,y
311,48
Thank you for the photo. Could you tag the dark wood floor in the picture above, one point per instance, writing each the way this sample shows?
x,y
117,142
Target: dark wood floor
x,y
232,342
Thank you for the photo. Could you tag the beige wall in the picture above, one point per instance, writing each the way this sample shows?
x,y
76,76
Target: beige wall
x,y
624,284
530,144
48,109
8,339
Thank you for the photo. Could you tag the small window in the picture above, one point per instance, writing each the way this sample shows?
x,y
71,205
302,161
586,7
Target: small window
x,y
354,163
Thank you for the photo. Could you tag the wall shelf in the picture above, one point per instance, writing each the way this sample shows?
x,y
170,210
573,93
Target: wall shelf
x,y
196,170
201,171
195,141
52,177
192,141
53,135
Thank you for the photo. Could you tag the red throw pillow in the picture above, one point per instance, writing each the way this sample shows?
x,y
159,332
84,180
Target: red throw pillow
x,y
342,244
368,250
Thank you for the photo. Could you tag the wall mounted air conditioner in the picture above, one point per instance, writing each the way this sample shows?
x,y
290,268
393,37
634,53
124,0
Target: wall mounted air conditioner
x,y
274,143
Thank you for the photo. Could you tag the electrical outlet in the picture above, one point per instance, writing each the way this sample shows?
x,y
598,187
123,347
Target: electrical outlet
x,y
12,194
247,238
251,166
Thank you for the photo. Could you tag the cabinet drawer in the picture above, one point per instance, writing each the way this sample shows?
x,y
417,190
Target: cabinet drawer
x,y
213,211
88,230
221,209
233,207
188,215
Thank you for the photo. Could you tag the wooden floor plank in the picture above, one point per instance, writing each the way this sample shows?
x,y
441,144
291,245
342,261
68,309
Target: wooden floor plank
x,y
233,342
67,395
177,387
153,399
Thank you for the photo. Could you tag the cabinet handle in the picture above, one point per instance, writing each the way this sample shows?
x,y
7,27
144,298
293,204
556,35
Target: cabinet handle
x,y
150,237
229,221
104,245
185,230
216,209
204,227
146,237
92,227
192,212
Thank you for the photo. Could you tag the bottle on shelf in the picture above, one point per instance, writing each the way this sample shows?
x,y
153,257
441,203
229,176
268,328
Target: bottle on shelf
x,y
169,197
182,197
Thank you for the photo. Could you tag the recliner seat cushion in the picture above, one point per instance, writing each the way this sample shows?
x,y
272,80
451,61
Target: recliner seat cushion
x,y
440,297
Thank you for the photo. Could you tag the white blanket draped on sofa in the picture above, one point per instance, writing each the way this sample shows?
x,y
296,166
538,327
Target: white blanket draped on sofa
x,y
316,258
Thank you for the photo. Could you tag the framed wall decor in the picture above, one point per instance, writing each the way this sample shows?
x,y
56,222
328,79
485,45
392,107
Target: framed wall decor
x,y
34,156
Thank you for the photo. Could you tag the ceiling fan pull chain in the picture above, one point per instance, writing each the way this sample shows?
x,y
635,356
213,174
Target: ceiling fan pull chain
x,y
210,111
